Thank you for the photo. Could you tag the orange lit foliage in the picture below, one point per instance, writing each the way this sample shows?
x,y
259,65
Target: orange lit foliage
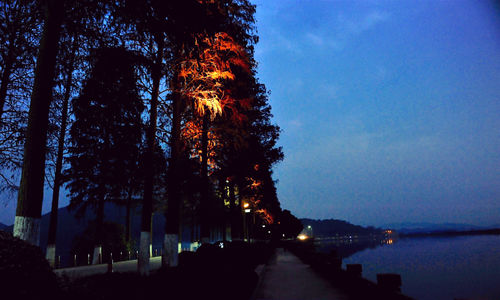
x,y
265,215
205,70
191,134
254,198
205,77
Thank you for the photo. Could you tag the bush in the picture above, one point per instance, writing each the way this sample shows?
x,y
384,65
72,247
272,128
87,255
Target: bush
x,y
114,242
24,271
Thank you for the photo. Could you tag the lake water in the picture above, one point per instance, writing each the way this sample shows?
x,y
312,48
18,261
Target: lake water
x,y
433,268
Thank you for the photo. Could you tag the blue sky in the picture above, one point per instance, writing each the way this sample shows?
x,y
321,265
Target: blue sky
x,y
390,110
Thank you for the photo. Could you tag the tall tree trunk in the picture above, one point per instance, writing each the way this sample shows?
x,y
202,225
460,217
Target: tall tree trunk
x,y
172,215
7,71
234,214
99,222
147,206
205,196
224,222
97,257
51,241
30,197
128,218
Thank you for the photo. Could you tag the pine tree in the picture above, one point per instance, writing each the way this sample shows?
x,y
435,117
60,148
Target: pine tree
x,y
106,136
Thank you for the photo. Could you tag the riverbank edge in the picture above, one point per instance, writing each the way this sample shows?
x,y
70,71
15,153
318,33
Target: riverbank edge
x,y
330,268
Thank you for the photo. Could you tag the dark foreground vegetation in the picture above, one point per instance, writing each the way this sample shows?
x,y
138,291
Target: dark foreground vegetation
x,y
211,272
329,266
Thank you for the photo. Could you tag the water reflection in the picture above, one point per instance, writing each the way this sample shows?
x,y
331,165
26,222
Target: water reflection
x,y
346,246
462,267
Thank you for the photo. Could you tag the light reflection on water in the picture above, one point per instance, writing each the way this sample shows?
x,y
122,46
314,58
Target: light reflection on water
x,y
464,267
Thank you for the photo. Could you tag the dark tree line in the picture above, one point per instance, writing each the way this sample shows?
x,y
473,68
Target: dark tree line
x,y
163,108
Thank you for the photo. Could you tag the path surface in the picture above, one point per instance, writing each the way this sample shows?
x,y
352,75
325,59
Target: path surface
x,y
122,266
287,277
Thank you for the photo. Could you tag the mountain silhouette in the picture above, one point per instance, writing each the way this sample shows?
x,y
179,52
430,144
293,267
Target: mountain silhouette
x,y
68,227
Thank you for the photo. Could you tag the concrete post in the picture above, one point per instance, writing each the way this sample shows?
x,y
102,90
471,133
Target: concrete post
x,y
110,263
389,281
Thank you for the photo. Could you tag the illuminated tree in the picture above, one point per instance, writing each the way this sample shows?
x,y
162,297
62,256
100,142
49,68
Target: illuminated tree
x,y
248,166
204,76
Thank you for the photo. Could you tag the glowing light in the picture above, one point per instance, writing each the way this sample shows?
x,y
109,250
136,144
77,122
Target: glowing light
x,y
302,237
246,205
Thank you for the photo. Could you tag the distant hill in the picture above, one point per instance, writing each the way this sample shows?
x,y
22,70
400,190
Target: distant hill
x,y
69,226
423,227
332,227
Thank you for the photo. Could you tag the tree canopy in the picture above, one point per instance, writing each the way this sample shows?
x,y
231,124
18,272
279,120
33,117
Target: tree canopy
x,y
166,105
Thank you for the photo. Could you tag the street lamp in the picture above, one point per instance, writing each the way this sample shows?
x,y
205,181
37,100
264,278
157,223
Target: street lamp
x,y
246,209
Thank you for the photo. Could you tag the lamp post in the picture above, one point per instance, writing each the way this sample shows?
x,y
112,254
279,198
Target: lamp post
x,y
309,231
245,209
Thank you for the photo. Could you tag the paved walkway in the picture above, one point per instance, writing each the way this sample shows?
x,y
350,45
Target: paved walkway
x,y
122,266
287,277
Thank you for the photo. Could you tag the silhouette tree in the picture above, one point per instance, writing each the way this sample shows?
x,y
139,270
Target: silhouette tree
x,y
289,225
19,37
30,197
69,67
147,21
105,136
81,30
18,44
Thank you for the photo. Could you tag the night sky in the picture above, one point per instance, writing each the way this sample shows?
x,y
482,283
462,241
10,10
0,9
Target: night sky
x,y
390,111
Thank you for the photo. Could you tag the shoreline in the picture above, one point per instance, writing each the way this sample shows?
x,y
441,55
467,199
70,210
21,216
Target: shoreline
x,y
329,266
